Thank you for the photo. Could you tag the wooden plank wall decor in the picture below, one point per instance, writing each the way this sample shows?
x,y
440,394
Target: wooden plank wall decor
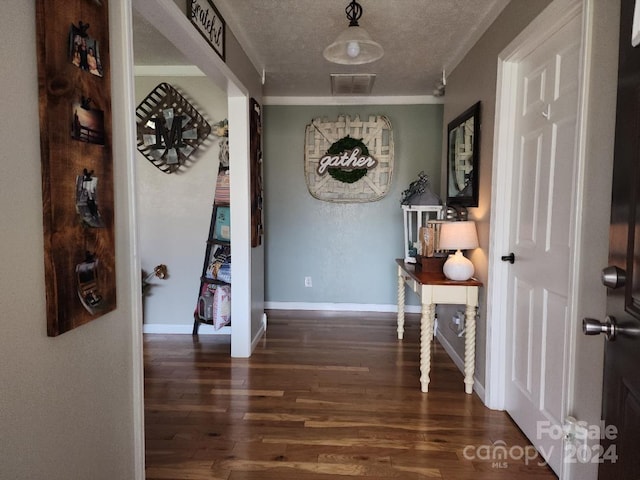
x,y
77,168
255,134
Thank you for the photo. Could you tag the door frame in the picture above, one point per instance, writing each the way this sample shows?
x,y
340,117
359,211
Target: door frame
x,y
554,17
168,18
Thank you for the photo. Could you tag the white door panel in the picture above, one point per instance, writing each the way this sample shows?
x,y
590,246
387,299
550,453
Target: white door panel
x,y
527,195
544,166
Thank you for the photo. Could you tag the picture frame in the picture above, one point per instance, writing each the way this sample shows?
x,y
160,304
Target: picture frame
x,y
84,50
223,223
87,123
463,153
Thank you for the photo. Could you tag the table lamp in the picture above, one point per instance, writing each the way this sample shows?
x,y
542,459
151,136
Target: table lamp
x,y
458,236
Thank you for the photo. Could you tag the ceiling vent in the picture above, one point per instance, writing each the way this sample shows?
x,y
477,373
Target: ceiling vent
x,y
352,84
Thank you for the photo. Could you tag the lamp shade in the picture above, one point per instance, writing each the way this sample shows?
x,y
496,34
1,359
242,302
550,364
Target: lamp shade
x,y
458,236
353,46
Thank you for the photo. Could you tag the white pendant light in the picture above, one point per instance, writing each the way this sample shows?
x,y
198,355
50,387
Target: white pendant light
x,y
354,45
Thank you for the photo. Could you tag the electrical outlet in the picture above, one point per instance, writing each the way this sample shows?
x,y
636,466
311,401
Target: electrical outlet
x,y
458,320
307,282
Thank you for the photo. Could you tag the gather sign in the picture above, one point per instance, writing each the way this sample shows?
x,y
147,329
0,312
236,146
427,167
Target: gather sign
x,y
348,160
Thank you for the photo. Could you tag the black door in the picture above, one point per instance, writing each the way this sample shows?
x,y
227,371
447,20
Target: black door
x,y
621,391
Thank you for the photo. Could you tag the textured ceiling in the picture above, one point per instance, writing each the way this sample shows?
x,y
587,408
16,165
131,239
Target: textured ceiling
x,y
286,39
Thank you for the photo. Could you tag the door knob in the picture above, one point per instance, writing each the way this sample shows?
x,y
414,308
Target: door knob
x,y
508,258
591,326
610,328
613,277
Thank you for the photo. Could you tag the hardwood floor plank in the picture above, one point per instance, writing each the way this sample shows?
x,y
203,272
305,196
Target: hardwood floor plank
x,y
244,392
321,397
336,469
167,407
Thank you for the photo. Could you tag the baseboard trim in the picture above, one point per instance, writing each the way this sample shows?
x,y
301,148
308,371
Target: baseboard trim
x,y
339,307
259,334
477,386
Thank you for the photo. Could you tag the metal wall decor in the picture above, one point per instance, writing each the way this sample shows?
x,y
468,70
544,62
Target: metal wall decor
x,y
169,128
77,166
349,160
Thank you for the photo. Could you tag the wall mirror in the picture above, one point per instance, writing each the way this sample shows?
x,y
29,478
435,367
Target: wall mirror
x,y
462,158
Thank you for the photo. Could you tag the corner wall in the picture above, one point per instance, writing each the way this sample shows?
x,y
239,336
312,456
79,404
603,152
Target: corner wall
x,y
68,406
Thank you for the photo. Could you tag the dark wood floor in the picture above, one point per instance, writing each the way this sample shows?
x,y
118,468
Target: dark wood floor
x,y
321,397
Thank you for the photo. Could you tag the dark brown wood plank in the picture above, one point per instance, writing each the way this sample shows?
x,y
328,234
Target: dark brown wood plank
x,y
75,136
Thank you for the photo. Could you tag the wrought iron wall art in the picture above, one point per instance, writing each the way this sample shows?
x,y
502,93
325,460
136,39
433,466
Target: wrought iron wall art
x,y
170,129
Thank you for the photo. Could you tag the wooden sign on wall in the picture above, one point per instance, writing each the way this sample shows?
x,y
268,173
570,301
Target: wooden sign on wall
x,y
77,169
349,160
255,152
209,23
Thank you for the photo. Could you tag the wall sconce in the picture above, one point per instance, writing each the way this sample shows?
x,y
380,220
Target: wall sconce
x,y
458,236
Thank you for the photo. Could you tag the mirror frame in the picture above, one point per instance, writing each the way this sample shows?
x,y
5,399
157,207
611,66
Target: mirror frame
x,y
468,197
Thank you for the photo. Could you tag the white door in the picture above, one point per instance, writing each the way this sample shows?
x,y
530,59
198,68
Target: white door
x,y
541,229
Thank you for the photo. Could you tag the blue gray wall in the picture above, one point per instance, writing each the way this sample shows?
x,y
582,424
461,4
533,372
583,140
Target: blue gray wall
x,y
347,249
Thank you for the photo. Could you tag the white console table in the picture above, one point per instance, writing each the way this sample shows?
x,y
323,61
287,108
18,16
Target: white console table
x,y
433,289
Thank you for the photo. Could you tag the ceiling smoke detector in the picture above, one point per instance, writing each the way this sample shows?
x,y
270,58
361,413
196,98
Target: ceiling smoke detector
x,y
352,84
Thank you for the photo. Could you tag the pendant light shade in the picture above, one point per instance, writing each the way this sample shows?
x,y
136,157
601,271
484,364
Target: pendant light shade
x,y
354,45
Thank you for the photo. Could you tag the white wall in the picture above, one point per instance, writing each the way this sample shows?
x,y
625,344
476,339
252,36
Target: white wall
x,y
174,210
68,406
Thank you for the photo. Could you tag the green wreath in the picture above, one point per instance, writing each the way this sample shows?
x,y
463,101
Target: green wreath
x,y
347,176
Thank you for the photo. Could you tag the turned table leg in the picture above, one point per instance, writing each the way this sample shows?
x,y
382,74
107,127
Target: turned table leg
x,y
400,304
426,336
469,348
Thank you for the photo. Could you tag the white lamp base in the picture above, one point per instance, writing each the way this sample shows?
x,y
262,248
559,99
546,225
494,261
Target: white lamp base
x,y
458,267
